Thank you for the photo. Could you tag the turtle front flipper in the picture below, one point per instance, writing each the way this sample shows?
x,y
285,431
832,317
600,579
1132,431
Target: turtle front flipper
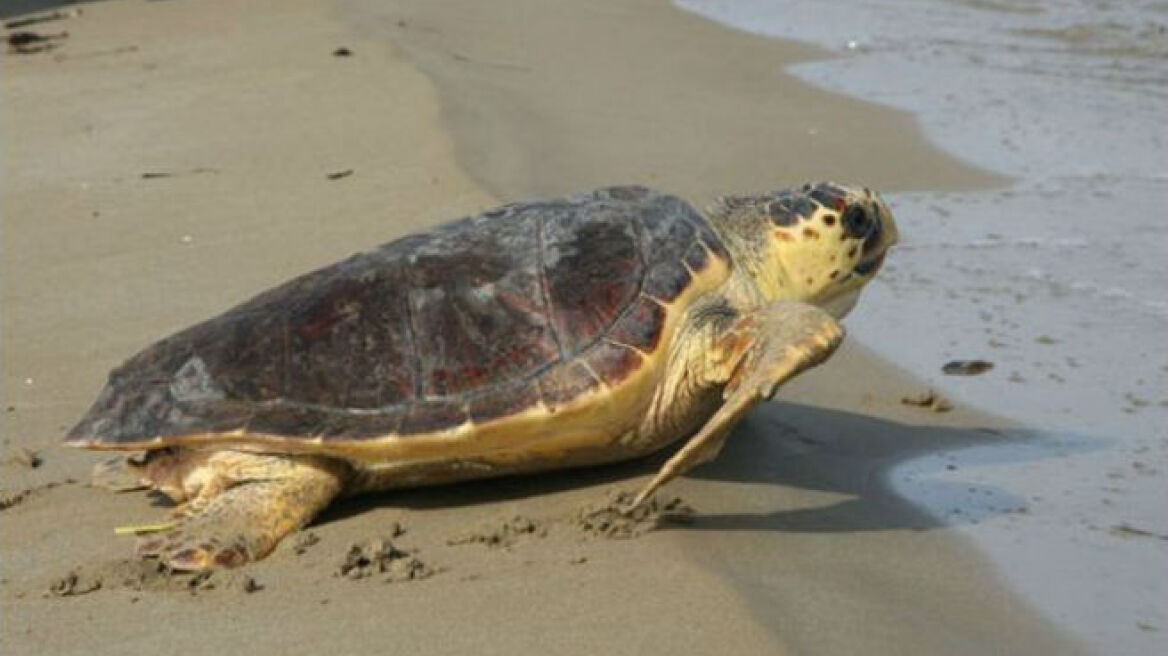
x,y
758,352
246,521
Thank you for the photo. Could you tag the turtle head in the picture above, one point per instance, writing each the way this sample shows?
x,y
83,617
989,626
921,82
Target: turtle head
x,y
820,243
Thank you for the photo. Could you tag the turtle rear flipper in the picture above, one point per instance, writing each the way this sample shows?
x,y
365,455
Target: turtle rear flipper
x,y
245,522
120,474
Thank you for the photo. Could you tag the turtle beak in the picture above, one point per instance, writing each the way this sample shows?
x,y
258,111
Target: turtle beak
x,y
883,236
868,267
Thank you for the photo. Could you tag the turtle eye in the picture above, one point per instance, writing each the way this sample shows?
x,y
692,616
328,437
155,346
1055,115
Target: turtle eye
x,y
857,222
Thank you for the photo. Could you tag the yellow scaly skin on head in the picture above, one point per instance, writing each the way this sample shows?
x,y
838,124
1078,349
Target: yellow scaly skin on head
x,y
819,244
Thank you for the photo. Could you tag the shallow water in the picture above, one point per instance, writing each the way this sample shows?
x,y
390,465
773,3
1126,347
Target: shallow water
x,y
1059,278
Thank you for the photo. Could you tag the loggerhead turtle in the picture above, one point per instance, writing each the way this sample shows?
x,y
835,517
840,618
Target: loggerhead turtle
x,y
535,336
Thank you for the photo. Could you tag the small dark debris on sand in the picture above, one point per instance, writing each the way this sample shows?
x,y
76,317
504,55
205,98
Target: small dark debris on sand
x,y
203,581
10,499
616,520
340,174
381,558
132,574
155,175
25,458
148,576
928,399
342,52
29,43
73,585
504,535
1127,530
41,18
966,367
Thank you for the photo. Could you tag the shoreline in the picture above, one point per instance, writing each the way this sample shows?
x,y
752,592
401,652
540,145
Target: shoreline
x,y
804,550
549,110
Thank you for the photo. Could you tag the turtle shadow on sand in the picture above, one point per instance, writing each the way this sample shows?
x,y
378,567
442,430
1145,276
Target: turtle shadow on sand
x,y
811,448
789,445
495,490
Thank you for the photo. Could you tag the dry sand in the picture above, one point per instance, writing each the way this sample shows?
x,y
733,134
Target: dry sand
x,y
241,112
546,98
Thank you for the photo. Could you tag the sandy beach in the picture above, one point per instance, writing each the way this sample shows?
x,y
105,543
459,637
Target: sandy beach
x,y
167,160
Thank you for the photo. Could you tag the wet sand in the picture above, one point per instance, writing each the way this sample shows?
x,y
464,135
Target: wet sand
x,y
171,159
546,99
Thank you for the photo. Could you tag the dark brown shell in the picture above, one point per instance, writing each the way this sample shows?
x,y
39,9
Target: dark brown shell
x,y
476,319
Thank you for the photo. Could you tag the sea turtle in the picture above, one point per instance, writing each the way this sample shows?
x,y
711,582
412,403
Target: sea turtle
x,y
539,335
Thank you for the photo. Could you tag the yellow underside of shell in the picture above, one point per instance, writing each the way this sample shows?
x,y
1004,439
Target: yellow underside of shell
x,y
600,426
